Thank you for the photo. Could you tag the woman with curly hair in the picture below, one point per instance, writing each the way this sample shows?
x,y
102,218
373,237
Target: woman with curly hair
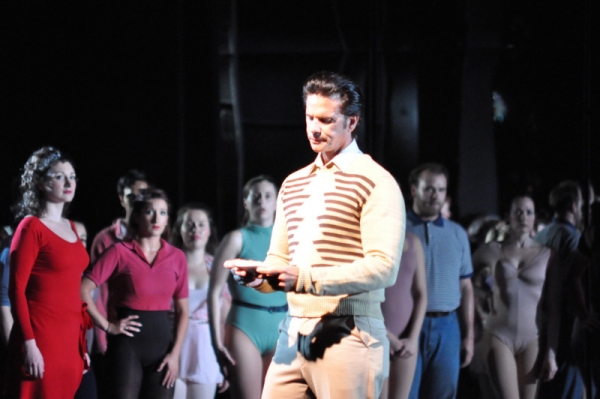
x,y
47,342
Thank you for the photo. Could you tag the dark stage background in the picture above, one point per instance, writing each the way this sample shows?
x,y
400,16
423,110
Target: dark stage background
x,y
204,95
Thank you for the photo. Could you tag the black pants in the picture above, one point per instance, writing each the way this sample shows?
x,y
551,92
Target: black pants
x,y
133,361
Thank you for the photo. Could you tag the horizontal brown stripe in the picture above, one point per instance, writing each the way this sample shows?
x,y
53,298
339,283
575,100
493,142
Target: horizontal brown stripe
x,y
338,260
337,194
354,191
341,228
342,236
352,206
293,205
353,183
361,177
350,215
293,191
352,222
338,244
299,181
350,254
289,213
287,199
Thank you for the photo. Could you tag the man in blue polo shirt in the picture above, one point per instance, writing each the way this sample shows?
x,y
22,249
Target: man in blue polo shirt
x,y
446,339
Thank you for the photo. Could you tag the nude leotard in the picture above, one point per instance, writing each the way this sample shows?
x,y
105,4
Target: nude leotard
x,y
516,298
398,305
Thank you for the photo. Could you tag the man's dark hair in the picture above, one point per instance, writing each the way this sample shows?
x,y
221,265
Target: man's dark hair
x,y
330,84
563,196
129,180
435,168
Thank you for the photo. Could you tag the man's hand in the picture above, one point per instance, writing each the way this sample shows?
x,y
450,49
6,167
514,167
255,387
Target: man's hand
x,y
287,276
549,366
244,271
466,352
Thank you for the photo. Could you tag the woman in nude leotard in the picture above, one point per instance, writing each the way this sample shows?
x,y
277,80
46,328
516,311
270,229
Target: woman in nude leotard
x,y
404,311
520,267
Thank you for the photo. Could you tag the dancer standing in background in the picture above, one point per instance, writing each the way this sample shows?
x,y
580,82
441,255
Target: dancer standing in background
x,y
46,346
519,267
145,274
199,373
252,325
403,311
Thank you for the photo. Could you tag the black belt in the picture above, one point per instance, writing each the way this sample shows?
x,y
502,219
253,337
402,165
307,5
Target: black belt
x,y
270,309
438,314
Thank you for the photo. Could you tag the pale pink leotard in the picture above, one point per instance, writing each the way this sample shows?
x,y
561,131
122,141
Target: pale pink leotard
x,y
516,294
398,306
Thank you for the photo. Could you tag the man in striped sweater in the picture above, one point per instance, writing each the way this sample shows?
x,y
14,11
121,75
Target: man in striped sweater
x,y
336,245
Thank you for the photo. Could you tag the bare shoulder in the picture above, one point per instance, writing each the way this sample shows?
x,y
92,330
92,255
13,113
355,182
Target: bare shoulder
x,y
233,238
231,245
412,242
487,254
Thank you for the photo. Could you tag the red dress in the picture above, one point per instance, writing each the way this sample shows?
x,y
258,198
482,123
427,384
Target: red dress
x,y
44,292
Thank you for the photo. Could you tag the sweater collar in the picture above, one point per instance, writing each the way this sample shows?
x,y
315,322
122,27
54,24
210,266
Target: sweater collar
x,y
341,160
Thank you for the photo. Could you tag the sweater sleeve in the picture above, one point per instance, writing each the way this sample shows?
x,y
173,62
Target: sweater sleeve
x,y
24,250
382,229
278,255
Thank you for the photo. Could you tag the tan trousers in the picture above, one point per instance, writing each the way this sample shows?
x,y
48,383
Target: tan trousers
x,y
356,367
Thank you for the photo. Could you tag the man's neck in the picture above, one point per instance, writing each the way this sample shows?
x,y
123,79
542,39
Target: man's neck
x,y
565,217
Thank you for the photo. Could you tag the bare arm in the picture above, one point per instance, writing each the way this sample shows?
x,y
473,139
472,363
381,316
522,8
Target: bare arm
x,y
419,293
466,314
124,326
230,247
7,322
553,298
171,360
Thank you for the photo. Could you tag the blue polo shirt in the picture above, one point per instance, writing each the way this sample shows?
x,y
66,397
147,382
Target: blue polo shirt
x,y
447,259
561,236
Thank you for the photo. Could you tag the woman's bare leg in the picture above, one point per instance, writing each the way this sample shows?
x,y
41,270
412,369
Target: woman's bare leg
x,y
201,391
247,376
528,380
384,389
502,368
402,372
266,359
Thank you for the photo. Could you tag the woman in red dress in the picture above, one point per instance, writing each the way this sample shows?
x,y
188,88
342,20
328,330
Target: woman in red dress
x,y
47,344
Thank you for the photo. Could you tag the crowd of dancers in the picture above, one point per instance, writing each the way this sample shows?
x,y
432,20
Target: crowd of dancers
x,y
155,312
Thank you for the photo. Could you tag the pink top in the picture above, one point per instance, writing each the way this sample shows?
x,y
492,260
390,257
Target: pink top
x,y
136,284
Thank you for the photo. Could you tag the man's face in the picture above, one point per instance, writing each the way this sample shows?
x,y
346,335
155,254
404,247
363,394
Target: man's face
x,y
133,190
328,130
429,194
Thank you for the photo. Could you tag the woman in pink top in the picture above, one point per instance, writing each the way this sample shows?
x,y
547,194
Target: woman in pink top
x,y
144,273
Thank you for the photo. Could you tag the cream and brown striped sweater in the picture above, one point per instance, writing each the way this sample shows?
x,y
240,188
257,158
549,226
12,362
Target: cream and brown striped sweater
x,y
342,225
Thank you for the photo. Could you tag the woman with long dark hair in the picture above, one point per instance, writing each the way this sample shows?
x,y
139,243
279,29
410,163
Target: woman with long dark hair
x,y
47,343
520,268
144,273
